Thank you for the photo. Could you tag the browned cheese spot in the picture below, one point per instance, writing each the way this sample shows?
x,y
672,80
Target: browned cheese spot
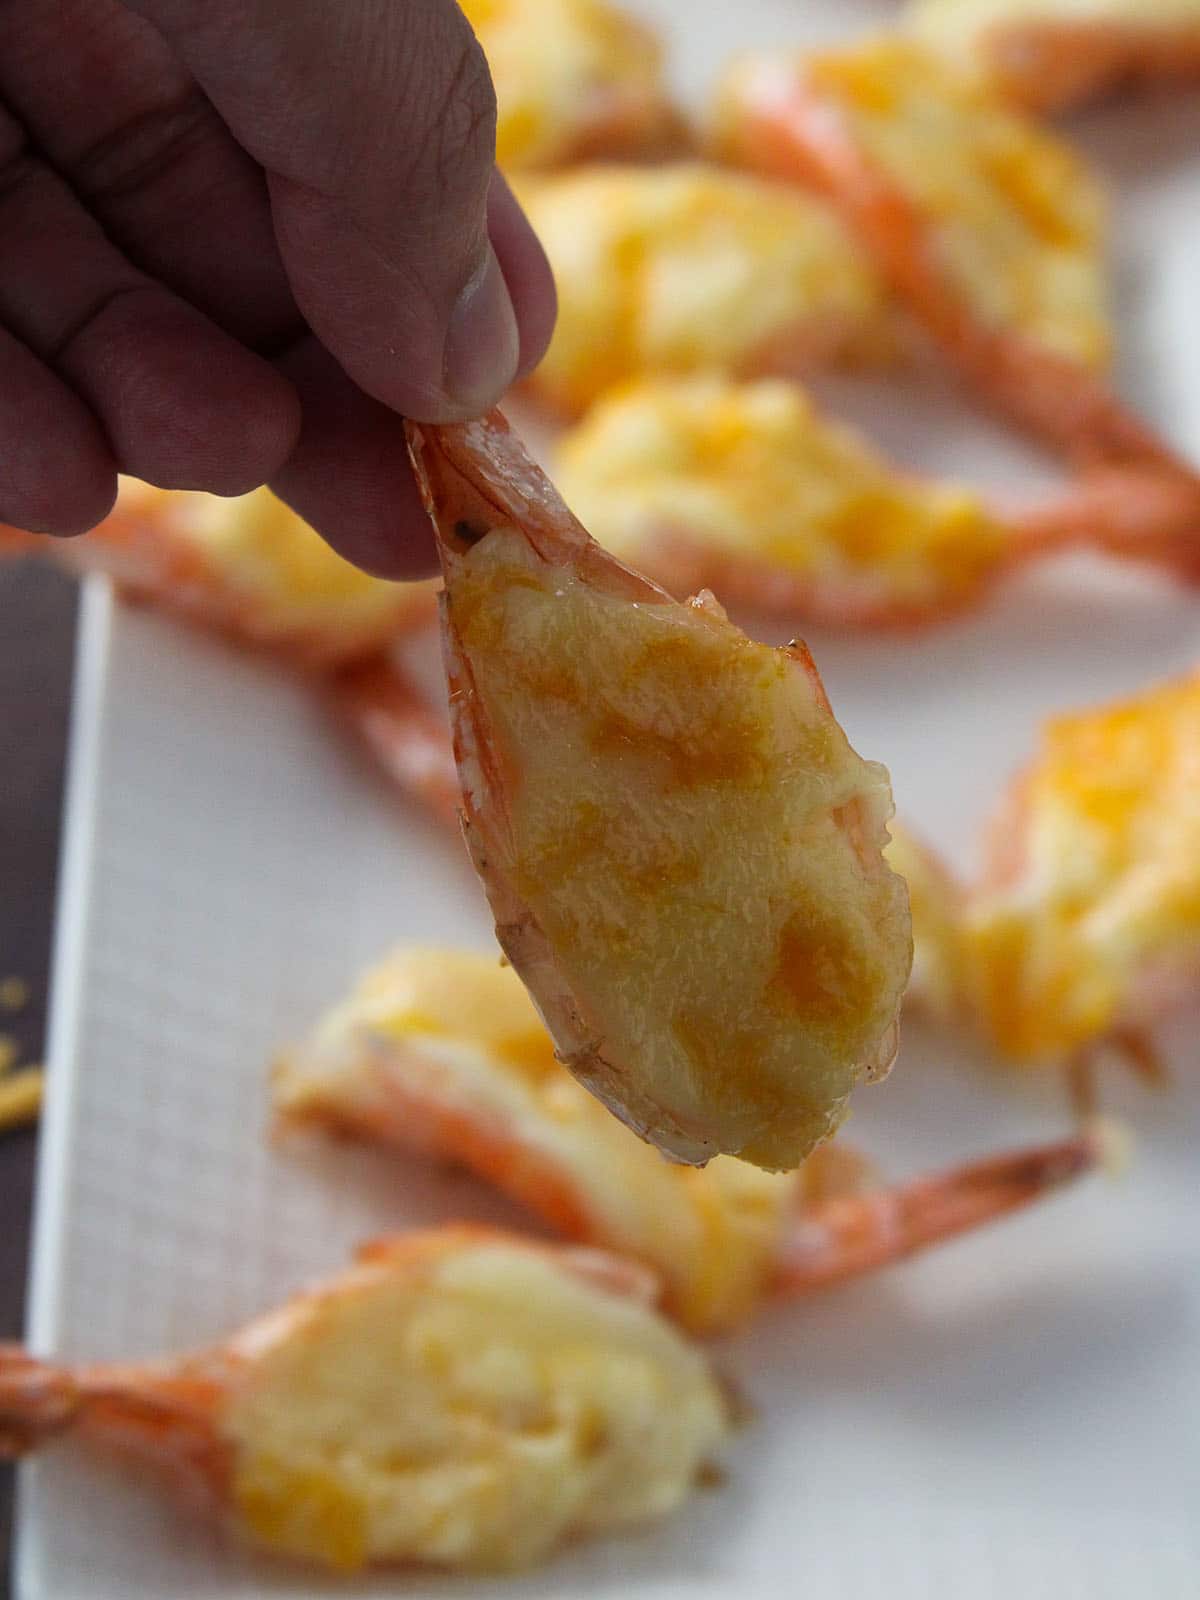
x,y
726,1060
820,973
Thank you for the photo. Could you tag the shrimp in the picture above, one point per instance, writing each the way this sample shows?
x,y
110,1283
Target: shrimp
x,y
575,79
247,567
460,1397
1052,55
681,850
1085,926
441,1052
747,489
986,227
692,268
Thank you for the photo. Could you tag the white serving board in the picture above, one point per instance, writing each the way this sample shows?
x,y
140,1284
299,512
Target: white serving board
x,y
1018,1414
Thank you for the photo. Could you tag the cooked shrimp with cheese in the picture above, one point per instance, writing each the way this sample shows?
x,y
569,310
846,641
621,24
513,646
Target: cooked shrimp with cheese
x,y
459,1397
441,1052
1054,54
987,227
746,489
1086,927
692,268
682,852
574,79
247,567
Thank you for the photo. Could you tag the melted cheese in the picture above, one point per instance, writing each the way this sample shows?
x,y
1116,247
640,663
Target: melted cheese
x,y
690,268
571,77
474,1412
937,983
700,847
282,574
1017,219
1106,895
458,1032
753,470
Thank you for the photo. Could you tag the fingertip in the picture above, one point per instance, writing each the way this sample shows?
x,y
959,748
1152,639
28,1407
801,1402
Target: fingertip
x,y
85,507
62,511
349,476
57,473
71,491
527,272
255,422
372,514
483,346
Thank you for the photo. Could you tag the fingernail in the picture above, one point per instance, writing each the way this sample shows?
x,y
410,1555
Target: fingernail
x,y
483,344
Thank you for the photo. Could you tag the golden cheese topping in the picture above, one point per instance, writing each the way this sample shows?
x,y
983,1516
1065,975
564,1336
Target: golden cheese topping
x,y
689,268
281,573
572,77
752,470
1018,220
472,1411
1095,903
935,900
700,848
457,1032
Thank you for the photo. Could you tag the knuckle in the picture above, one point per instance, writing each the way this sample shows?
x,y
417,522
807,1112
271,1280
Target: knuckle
x,y
143,148
101,307
19,171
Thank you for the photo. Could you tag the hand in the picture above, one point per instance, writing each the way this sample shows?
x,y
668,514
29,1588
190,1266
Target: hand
x,y
238,240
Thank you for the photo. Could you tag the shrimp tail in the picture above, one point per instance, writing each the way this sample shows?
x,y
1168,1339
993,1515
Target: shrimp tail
x,y
163,1413
37,1400
849,1235
15,542
1052,66
1135,514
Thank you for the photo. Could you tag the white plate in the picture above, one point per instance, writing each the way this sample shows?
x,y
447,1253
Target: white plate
x,y
1018,1414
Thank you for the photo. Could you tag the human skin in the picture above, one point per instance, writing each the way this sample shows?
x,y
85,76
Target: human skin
x,y
239,240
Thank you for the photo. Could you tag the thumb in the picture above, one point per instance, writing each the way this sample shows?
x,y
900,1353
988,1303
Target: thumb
x,y
375,124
